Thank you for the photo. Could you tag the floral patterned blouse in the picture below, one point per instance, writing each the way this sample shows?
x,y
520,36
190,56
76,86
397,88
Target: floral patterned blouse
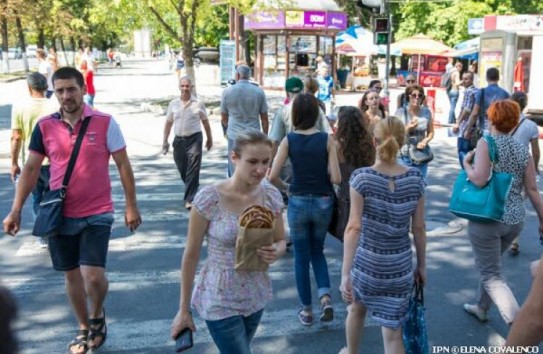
x,y
220,291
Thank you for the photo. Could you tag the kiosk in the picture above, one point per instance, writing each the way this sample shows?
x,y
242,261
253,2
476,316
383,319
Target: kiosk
x,y
514,45
289,41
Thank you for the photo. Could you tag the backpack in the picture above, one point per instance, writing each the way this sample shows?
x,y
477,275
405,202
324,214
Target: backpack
x,y
446,80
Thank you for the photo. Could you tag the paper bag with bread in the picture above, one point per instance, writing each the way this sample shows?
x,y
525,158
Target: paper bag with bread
x,y
255,230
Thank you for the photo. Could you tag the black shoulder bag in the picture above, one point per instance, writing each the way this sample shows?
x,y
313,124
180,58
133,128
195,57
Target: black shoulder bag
x,y
418,156
49,218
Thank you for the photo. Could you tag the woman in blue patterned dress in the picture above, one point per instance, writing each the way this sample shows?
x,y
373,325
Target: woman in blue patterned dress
x,y
377,275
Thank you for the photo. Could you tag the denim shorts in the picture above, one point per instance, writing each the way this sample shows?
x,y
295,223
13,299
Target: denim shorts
x,y
81,241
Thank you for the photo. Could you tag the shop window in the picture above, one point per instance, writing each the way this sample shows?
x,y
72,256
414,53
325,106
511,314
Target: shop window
x,y
306,44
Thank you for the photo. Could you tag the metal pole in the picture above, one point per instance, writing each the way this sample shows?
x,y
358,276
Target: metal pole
x,y
387,64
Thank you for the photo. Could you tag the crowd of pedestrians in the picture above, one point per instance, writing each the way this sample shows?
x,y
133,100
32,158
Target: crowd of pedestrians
x,y
316,160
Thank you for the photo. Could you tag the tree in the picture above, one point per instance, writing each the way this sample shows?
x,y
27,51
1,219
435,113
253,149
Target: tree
x,y
5,36
447,21
187,11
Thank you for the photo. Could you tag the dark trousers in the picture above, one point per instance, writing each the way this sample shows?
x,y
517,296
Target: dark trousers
x,y
187,154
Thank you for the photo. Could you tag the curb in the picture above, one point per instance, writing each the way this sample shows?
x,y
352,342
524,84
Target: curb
x,y
158,109
11,79
154,108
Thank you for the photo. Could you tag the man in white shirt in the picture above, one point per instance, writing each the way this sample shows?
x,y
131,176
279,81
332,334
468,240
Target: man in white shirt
x,y
185,114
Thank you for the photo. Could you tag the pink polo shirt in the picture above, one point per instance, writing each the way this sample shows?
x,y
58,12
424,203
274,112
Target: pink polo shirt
x,y
89,189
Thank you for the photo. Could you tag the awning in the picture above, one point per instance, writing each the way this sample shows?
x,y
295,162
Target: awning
x,y
420,44
466,50
357,41
467,53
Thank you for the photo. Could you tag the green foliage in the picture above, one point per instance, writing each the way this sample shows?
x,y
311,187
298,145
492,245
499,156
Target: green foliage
x,y
212,27
446,21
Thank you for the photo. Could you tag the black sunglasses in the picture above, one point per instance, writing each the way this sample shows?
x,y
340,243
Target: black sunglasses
x,y
410,81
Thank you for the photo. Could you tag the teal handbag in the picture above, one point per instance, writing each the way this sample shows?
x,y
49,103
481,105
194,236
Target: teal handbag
x,y
484,204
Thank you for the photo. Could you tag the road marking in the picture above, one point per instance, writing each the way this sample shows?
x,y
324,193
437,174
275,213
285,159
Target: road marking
x,y
134,334
136,280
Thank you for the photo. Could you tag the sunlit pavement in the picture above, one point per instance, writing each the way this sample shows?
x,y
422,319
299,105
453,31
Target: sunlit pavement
x,y
144,267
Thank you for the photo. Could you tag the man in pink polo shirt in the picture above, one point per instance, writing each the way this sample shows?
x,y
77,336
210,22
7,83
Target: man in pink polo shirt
x,y
80,248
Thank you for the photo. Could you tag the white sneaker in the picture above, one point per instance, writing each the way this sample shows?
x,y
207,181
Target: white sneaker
x,y
475,310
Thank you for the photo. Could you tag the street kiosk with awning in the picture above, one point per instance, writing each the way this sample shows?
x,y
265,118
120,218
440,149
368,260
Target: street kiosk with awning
x,y
426,59
288,41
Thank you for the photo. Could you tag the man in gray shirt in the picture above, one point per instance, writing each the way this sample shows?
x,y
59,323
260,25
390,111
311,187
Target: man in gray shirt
x,y
243,106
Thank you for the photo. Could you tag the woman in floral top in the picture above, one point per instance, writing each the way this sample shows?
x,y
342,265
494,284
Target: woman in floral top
x,y
230,301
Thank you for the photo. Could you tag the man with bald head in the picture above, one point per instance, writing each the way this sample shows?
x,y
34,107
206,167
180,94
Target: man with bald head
x,y
185,114
243,106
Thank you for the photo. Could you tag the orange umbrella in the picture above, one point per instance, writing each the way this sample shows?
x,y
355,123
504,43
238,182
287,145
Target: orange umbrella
x,y
420,44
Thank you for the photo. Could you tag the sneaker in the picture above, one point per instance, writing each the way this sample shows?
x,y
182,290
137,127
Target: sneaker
x,y
327,311
43,243
306,319
475,310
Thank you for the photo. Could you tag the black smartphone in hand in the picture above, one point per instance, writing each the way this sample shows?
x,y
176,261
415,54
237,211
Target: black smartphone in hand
x,y
183,340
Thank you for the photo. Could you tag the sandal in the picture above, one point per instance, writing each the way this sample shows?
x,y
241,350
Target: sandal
x,y
514,249
80,340
98,329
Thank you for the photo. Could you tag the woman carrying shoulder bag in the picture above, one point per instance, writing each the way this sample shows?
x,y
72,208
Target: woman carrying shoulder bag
x,y
419,128
490,240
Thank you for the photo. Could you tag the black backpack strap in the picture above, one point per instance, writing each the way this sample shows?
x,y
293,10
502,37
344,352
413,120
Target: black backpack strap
x,y
75,152
518,126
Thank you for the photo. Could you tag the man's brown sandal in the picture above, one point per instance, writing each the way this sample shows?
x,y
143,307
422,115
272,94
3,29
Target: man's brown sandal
x,y
80,340
98,329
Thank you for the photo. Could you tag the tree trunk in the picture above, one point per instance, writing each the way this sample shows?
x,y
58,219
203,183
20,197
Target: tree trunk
x,y
61,40
74,48
22,42
188,54
41,38
5,50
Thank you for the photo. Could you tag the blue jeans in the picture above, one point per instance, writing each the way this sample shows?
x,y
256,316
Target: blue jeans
x,y
308,218
405,160
233,335
453,99
463,149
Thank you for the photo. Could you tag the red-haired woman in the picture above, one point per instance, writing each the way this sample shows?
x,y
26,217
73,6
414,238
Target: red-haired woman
x,y
491,240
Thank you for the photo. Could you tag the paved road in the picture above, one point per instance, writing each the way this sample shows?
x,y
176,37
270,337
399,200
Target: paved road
x,y
144,267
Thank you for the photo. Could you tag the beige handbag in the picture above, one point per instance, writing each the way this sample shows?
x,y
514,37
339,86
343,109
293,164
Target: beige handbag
x,y
256,230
